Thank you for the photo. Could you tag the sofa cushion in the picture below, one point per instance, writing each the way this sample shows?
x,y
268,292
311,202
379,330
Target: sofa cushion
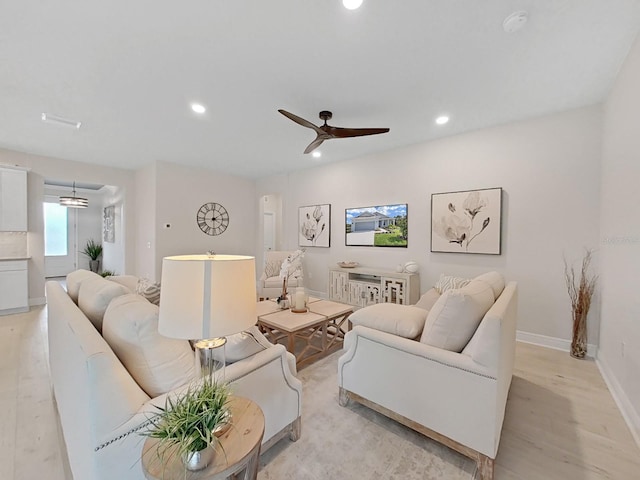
x,y
456,315
157,363
403,320
129,281
495,279
447,282
95,296
428,299
74,279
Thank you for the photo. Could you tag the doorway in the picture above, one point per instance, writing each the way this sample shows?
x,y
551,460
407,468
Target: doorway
x,y
60,224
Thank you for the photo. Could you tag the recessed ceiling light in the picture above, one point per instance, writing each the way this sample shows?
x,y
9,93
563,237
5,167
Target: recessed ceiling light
x,y
316,154
47,117
515,21
351,4
441,120
196,107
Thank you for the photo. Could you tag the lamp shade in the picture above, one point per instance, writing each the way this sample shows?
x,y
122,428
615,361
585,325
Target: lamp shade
x,y
207,296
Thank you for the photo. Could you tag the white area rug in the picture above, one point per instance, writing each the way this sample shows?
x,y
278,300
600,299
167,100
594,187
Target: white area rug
x,y
355,443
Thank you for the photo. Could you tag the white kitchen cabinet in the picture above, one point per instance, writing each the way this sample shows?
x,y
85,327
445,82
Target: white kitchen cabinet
x,y
14,286
13,200
367,286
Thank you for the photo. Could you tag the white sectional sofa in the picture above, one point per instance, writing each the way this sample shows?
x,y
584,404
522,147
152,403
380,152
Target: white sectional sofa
x,y
103,408
454,392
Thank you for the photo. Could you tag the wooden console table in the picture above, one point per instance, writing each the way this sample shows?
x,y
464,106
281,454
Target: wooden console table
x,y
362,286
237,454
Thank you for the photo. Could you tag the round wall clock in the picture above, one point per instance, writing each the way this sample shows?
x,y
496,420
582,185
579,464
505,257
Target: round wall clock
x,y
212,218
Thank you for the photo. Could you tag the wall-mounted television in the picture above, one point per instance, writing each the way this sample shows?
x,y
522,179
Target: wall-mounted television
x,y
382,226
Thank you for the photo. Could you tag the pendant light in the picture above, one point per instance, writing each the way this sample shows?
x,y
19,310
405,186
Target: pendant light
x,y
73,201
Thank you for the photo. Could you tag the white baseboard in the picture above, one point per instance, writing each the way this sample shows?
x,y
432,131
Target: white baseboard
x,y
313,293
552,342
631,415
37,301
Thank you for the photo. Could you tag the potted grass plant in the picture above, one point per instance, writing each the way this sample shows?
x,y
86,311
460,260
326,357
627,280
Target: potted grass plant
x,y
188,424
93,250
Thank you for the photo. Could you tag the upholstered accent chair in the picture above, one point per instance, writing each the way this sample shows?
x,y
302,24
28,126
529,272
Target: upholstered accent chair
x,y
270,283
444,373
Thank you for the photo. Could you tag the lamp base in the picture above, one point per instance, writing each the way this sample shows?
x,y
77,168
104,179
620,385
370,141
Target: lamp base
x,y
211,357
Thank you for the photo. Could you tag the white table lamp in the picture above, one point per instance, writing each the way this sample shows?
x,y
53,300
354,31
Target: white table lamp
x,y
207,297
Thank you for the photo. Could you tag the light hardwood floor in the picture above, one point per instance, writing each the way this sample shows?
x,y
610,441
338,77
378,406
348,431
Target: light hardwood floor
x,y
561,421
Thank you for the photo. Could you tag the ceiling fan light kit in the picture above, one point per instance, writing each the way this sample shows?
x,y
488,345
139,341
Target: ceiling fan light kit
x,y
352,4
328,132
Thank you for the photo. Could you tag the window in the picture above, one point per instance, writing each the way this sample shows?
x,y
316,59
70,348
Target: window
x,y
55,230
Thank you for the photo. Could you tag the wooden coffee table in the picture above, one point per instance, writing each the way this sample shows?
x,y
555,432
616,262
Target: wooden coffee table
x,y
314,334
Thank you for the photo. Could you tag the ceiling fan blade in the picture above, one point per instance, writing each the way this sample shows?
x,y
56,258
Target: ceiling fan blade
x,y
315,144
300,120
338,132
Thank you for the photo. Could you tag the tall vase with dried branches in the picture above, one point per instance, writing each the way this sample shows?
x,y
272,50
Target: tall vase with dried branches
x,y
580,287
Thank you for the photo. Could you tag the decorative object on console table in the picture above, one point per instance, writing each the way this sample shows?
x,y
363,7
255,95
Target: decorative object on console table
x,y
580,292
382,226
314,226
109,233
467,222
93,250
207,297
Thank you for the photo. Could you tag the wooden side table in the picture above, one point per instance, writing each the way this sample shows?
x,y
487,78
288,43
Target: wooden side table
x,y
237,454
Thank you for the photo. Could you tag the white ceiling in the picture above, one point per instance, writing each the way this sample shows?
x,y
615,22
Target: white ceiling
x,y
129,69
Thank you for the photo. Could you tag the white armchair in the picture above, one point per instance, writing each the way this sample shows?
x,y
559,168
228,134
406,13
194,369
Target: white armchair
x,y
457,397
270,283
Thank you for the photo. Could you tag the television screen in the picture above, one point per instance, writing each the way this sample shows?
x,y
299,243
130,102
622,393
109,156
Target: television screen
x,y
383,226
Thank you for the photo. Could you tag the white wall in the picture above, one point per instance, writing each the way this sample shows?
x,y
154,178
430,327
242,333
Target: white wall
x,y
619,351
181,191
146,228
47,167
549,169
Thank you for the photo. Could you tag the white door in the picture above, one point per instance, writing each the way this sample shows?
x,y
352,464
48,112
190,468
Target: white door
x,y
59,238
269,231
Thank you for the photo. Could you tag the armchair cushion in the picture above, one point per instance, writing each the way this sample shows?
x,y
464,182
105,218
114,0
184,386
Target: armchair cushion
x,y
428,299
494,279
158,364
402,320
456,315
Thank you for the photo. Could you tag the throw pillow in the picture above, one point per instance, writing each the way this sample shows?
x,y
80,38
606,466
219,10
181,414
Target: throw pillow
x,y
456,315
240,346
158,364
401,320
446,282
149,290
272,268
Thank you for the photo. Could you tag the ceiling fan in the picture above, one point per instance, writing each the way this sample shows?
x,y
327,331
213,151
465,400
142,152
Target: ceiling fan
x,y
327,132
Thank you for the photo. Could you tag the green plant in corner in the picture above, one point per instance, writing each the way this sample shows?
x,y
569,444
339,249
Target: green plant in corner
x,y
190,421
92,249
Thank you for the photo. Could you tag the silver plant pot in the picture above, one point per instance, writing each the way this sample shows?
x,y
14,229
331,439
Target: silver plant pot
x,y
194,461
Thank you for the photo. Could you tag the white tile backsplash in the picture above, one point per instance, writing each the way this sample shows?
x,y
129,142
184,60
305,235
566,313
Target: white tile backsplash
x,y
13,244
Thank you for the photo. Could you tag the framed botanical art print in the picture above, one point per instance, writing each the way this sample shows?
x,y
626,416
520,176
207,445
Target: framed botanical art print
x,y
467,222
314,225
